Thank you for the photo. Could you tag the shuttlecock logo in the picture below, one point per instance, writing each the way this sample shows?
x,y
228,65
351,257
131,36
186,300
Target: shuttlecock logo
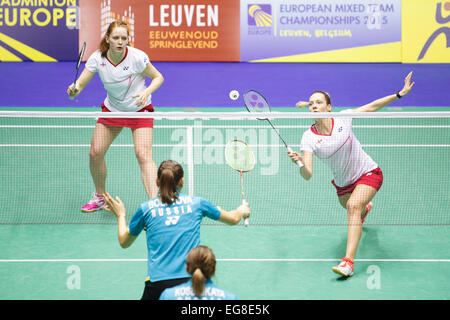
x,y
260,15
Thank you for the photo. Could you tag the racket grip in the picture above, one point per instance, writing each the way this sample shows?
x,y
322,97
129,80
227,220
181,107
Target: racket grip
x,y
245,219
299,163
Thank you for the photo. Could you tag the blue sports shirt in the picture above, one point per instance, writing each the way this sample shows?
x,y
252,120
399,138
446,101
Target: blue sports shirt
x,y
184,292
172,231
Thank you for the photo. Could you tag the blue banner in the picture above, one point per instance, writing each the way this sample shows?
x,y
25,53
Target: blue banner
x,y
290,28
38,30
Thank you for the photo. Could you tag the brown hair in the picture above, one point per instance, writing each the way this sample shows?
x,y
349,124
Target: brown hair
x,y
325,94
169,175
201,264
104,46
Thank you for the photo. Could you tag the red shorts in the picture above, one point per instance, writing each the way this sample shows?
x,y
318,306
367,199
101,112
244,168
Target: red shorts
x,y
372,178
133,123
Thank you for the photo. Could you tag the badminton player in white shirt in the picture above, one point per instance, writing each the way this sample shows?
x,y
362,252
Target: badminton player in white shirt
x,y
122,70
357,177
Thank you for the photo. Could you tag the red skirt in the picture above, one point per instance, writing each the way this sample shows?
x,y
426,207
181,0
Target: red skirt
x,y
372,178
133,123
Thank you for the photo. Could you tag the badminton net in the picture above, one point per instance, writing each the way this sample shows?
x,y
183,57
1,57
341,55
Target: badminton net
x,y
46,179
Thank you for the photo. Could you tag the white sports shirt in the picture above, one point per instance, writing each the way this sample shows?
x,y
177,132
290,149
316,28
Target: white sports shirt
x,y
123,80
340,150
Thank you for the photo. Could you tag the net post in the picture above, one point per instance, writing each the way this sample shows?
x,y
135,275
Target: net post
x,y
190,158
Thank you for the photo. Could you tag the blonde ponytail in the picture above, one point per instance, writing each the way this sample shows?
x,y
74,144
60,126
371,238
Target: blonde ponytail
x,y
201,264
198,282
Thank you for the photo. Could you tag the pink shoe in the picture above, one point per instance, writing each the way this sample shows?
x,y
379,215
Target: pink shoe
x,y
368,207
97,203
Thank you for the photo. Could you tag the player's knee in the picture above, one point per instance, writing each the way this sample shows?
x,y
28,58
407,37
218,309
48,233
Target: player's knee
x,y
354,207
96,154
143,156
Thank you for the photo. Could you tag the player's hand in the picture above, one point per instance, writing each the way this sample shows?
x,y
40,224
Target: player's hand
x,y
141,98
73,91
244,209
295,156
408,85
115,205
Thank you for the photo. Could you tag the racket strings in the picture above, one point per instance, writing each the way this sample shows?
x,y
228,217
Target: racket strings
x,y
239,156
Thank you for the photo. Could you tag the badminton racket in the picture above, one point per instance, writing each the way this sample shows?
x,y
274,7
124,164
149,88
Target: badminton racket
x,y
80,57
256,103
240,157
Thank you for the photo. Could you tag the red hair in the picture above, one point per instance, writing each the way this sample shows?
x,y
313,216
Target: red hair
x,y
104,46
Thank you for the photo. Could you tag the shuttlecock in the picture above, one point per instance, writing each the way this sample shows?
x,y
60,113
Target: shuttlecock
x,y
234,94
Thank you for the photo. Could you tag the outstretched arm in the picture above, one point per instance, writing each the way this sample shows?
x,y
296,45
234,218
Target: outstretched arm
x,y
234,216
382,102
117,207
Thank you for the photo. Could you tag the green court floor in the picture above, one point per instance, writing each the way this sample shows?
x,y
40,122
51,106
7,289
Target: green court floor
x,y
86,262
297,232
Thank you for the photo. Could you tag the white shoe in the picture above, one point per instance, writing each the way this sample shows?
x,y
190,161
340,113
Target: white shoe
x,y
345,268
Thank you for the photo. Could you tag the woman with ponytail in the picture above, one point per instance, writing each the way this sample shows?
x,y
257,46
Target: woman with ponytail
x,y
123,70
201,264
172,223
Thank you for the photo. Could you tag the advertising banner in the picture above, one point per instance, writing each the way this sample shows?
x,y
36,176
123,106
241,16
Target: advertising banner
x,y
168,30
38,30
412,31
426,31
321,31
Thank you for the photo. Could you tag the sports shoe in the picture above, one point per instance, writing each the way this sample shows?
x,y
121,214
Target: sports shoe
x,y
97,203
368,207
345,268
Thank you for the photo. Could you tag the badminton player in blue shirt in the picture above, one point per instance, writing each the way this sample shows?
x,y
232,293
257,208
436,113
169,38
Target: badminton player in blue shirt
x,y
172,223
201,264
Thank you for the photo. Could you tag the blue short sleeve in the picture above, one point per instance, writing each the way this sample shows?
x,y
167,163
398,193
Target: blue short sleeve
x,y
137,222
209,210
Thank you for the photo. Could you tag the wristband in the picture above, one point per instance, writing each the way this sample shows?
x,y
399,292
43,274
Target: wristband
x,y
398,95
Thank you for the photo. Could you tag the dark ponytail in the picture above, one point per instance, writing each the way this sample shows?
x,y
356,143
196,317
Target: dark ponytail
x,y
169,175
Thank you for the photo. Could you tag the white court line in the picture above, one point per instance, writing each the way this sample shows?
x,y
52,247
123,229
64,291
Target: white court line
x,y
218,145
226,126
224,260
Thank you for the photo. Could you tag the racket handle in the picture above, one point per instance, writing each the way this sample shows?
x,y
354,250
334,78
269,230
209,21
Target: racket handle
x,y
299,163
245,219
71,97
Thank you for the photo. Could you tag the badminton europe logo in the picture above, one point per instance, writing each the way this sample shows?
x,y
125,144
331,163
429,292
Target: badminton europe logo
x,y
259,19
442,30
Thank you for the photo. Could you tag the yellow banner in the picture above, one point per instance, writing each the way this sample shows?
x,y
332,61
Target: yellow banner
x,y
426,31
